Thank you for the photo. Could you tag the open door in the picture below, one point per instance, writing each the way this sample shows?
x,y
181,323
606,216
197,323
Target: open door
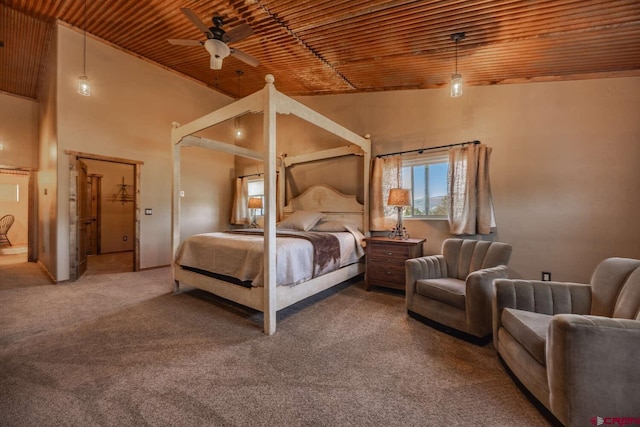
x,y
84,218
94,191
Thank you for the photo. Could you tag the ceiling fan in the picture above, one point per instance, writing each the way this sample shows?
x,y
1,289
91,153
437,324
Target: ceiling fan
x,y
217,40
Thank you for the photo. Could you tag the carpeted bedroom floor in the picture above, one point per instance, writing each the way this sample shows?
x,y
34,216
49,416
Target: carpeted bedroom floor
x,y
120,349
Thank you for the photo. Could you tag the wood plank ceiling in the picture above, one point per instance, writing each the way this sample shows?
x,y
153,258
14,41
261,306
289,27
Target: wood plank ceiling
x,y
342,46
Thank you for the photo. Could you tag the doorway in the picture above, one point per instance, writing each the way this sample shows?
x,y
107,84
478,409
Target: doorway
x,y
17,205
104,207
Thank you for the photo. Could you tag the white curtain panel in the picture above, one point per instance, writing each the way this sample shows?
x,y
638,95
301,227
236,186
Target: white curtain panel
x,y
386,174
471,208
239,209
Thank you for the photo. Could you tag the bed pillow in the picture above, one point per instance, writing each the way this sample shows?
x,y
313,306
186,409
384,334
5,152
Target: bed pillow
x,y
300,220
334,226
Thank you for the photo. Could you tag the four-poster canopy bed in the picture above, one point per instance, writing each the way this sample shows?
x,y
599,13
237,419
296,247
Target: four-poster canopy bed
x,y
333,205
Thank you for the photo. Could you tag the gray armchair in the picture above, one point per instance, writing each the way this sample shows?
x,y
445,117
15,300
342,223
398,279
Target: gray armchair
x,y
574,347
453,291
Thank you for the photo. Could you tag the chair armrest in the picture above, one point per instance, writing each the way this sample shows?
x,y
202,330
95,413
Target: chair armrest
x,y
539,297
426,267
479,292
592,367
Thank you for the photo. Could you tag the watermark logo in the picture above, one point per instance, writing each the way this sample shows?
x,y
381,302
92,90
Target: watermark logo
x,y
619,421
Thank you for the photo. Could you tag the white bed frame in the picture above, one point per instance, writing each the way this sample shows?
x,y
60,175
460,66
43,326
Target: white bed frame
x,y
270,102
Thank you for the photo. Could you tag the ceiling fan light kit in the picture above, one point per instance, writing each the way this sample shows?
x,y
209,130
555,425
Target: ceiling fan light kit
x,y
218,51
456,79
217,40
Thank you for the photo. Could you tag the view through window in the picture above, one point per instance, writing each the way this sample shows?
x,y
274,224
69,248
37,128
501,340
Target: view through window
x,y
426,177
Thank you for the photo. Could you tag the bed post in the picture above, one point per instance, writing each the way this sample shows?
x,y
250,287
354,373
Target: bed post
x,y
366,179
269,141
175,199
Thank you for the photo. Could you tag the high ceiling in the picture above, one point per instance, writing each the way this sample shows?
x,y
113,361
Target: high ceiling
x,y
342,46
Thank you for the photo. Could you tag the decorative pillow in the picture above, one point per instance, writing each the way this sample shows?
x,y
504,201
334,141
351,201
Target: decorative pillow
x,y
334,226
300,220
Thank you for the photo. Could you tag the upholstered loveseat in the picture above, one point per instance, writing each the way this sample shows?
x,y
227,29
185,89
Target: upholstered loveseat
x,y
453,291
575,347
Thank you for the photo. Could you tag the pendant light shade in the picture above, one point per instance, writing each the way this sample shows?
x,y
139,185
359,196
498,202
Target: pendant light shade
x,y
456,79
84,86
456,85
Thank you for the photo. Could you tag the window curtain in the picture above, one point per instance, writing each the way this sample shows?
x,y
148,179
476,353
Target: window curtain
x,y
471,206
386,174
239,209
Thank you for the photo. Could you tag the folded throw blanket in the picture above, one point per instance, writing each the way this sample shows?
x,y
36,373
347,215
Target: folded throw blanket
x,y
326,247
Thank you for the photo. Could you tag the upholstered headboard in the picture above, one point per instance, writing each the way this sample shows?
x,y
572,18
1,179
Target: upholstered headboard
x,y
331,202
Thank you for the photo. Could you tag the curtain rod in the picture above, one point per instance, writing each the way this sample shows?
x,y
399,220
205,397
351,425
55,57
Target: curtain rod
x,y
251,174
255,174
420,150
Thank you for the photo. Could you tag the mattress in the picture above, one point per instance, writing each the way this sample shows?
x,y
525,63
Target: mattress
x,y
238,256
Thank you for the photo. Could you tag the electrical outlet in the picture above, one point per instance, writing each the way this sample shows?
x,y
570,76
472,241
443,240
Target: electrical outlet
x,y
148,211
546,276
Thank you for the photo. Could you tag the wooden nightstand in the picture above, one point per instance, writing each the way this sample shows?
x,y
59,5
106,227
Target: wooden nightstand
x,y
385,260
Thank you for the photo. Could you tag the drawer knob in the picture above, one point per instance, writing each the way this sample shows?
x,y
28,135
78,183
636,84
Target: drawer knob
x,y
388,253
388,272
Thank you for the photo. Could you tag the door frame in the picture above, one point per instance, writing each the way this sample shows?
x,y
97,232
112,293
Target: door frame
x,y
73,157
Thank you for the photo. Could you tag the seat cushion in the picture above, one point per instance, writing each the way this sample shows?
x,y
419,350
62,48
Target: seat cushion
x,y
448,291
529,329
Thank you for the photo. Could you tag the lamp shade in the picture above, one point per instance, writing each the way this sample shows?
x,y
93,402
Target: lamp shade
x,y
255,203
399,197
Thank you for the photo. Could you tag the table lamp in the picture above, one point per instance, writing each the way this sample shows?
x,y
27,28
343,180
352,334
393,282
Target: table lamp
x,y
399,197
255,203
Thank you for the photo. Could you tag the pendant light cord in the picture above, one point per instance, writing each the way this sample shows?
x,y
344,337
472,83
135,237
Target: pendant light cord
x,y
457,56
84,54
456,37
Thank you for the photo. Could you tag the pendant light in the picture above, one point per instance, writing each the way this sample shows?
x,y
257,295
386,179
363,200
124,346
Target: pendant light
x,y
238,127
456,79
84,86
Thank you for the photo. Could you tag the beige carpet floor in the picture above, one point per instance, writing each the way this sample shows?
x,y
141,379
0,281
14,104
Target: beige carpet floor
x,y
120,349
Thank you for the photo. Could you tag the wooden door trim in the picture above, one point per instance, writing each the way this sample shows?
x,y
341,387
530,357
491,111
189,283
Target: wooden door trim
x,y
72,157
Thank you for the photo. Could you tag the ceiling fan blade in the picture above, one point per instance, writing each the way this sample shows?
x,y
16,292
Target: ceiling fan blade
x,y
183,42
237,33
245,57
196,21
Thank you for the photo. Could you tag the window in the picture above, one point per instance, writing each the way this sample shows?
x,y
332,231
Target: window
x,y
255,188
426,177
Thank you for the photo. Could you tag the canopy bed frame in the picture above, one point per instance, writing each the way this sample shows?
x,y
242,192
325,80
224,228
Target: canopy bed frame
x,y
270,102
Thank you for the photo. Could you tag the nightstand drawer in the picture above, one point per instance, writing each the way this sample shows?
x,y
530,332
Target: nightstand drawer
x,y
387,272
385,260
391,252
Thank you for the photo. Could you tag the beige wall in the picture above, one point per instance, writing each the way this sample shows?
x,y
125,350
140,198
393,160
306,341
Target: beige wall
x,y
47,185
129,116
18,132
565,167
